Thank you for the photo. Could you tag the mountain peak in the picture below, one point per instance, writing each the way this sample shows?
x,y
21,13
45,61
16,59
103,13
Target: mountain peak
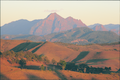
x,y
52,16
99,27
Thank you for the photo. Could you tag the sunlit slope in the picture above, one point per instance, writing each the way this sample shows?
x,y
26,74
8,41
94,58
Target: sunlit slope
x,y
57,52
94,55
9,44
97,55
51,50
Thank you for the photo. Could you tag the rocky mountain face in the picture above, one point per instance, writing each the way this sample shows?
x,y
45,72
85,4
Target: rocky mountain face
x,y
99,28
55,23
52,23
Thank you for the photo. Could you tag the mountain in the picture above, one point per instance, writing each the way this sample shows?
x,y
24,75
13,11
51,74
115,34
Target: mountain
x,y
55,23
112,26
80,35
83,35
109,27
21,26
91,26
52,23
99,27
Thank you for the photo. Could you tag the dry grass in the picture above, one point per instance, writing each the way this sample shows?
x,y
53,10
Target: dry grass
x,y
87,76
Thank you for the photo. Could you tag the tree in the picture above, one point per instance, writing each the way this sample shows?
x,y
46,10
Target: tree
x,y
39,58
82,66
46,60
109,68
53,61
0,54
22,62
62,63
42,67
71,66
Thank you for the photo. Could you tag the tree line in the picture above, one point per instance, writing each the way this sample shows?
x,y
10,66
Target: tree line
x,y
17,57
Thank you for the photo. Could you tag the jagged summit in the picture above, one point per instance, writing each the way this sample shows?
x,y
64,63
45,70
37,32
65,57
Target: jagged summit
x,y
99,27
53,16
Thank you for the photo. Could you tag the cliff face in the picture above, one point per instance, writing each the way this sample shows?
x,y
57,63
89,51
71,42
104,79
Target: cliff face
x,y
55,23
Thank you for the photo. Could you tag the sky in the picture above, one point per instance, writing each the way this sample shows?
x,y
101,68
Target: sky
x,y
89,12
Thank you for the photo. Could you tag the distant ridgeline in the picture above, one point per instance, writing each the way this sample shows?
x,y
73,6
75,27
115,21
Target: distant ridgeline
x,y
54,28
81,35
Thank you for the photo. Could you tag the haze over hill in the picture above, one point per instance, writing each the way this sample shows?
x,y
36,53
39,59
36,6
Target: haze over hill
x,y
54,28
82,35
99,28
108,27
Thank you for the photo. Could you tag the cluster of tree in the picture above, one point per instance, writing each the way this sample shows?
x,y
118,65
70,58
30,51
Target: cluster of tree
x,y
85,68
16,56
61,64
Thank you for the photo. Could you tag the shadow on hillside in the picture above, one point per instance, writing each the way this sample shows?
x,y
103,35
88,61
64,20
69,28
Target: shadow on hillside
x,y
32,67
56,68
38,47
25,46
93,79
60,75
96,60
2,77
52,67
80,56
83,79
33,77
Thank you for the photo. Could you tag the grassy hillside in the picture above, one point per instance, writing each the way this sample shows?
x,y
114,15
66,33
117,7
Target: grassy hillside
x,y
9,44
94,55
10,72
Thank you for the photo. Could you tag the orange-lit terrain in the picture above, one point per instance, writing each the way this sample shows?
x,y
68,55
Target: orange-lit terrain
x,y
95,55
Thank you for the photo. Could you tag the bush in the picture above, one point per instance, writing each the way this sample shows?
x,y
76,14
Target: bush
x,y
0,54
80,71
46,60
42,67
50,70
17,60
71,76
13,61
22,62
53,61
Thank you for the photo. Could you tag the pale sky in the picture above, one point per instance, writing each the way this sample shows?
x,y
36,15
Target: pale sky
x,y
89,12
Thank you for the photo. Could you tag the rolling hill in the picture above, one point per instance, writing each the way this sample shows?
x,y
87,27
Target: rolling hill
x,y
94,55
82,35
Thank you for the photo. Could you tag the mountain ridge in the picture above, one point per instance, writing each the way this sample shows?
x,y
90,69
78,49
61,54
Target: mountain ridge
x,y
52,23
80,35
